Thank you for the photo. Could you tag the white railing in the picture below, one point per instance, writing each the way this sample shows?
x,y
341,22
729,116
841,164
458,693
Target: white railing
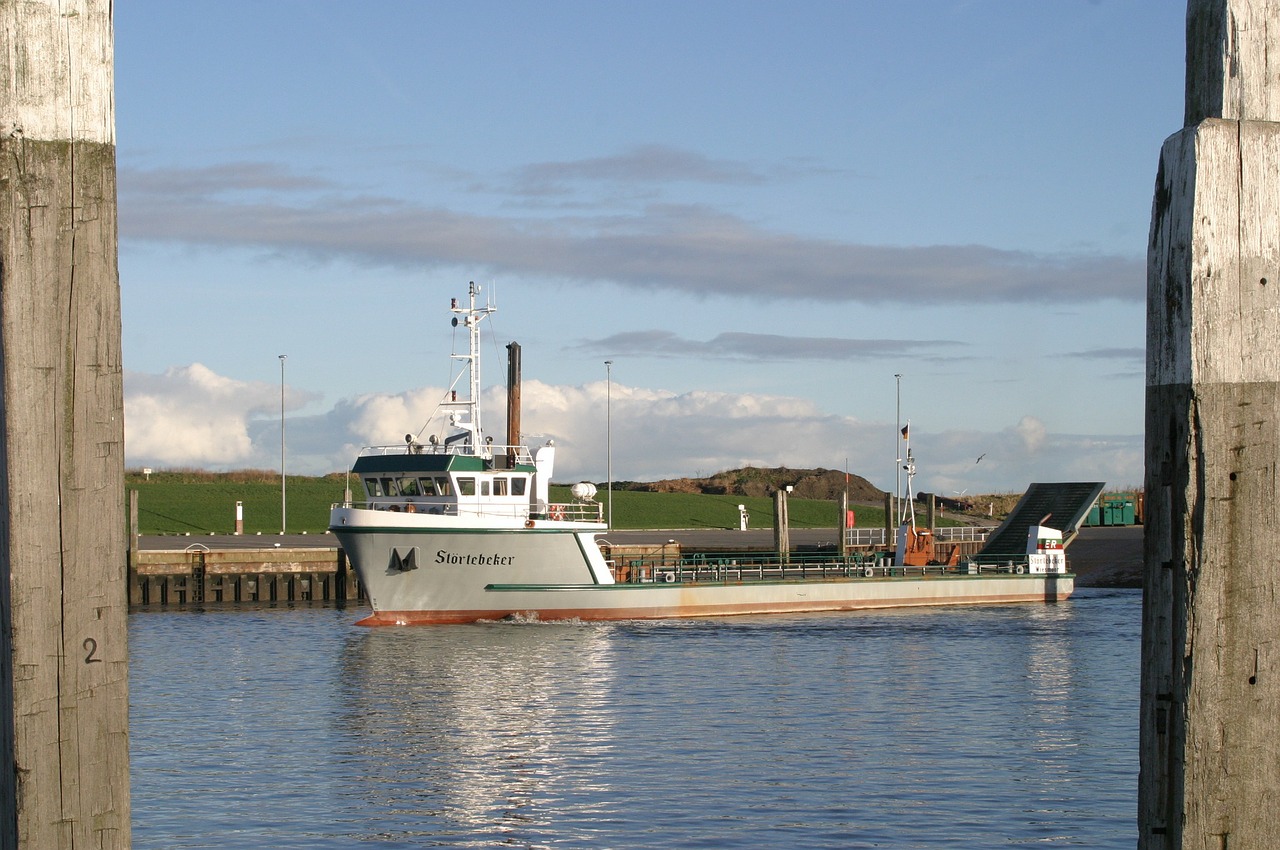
x,y
576,511
962,534
489,450
864,537
729,568
569,511
946,534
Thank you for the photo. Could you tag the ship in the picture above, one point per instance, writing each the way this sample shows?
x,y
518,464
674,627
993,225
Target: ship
x,y
459,529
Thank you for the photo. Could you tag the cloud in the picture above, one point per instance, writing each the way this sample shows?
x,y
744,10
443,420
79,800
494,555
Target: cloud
x,y
189,416
214,180
770,347
640,165
1023,453
1030,432
1123,354
679,247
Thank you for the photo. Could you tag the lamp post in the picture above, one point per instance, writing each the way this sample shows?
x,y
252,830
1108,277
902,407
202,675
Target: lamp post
x,y
608,418
283,513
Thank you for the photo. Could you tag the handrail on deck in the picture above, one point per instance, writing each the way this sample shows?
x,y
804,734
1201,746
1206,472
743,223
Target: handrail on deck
x,y
942,534
573,511
579,511
489,450
760,566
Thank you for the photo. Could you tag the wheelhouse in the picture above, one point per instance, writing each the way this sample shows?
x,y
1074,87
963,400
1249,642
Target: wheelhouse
x,y
446,483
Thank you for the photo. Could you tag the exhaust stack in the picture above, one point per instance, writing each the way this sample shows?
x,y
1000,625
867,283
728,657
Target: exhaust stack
x,y
513,400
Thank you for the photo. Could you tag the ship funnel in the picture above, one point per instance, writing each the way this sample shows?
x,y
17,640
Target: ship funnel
x,y
513,397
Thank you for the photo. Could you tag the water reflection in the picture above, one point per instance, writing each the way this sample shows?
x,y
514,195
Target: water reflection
x,y
486,727
942,728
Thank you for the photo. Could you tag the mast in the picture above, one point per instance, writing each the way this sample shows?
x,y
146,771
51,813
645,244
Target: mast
x,y
466,414
906,501
909,509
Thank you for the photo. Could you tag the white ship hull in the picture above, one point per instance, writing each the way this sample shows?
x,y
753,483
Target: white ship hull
x,y
417,574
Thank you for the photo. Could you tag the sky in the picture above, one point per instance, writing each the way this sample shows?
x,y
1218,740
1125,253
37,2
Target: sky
x,y
789,227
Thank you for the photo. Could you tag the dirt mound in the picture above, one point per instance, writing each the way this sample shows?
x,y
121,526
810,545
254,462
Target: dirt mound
x,y
826,484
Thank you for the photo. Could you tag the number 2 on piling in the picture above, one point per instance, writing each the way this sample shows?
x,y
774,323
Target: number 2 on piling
x,y
91,648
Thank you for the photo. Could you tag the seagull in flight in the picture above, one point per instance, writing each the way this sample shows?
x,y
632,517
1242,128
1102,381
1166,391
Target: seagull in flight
x,y
980,457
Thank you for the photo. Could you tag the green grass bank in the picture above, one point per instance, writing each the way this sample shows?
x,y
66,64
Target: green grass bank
x,y
204,503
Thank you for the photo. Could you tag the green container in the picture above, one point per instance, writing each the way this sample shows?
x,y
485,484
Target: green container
x,y
1118,510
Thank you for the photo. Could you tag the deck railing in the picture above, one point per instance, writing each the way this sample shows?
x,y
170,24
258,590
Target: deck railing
x,y
575,511
569,511
863,537
521,454
962,533
766,566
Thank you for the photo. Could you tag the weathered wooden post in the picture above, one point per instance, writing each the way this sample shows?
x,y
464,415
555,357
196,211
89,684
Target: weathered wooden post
x,y
64,745
843,525
781,526
1210,752
890,519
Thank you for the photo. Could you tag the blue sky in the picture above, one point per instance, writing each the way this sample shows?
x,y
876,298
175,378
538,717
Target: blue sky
x,y
759,212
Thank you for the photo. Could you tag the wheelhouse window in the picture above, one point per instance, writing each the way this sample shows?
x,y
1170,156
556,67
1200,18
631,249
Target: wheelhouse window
x,y
500,486
427,486
389,487
484,487
444,487
373,487
518,485
408,486
466,486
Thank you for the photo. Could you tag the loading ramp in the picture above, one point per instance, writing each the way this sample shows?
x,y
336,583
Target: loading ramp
x,y
1060,505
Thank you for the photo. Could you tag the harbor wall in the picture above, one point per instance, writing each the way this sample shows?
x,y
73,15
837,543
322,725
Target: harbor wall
x,y
198,575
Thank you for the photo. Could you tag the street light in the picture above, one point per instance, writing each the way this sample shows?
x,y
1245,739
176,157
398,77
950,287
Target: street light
x,y
282,489
608,418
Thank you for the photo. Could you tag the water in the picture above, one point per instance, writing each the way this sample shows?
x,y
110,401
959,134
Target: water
x,y
939,728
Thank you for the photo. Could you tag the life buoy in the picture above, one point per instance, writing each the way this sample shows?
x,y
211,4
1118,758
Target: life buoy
x,y
528,523
669,578
1020,569
557,513
868,571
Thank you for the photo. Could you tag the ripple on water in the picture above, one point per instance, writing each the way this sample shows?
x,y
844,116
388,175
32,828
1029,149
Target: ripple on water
x,y
931,728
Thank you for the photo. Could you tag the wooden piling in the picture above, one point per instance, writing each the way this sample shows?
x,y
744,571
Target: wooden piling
x,y
64,760
1210,756
781,526
842,523
890,518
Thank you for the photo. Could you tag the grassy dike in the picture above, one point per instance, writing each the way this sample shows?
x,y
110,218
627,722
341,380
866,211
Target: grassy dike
x,y
204,503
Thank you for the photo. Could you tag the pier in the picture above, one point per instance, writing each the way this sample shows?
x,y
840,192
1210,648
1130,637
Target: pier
x,y
216,572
